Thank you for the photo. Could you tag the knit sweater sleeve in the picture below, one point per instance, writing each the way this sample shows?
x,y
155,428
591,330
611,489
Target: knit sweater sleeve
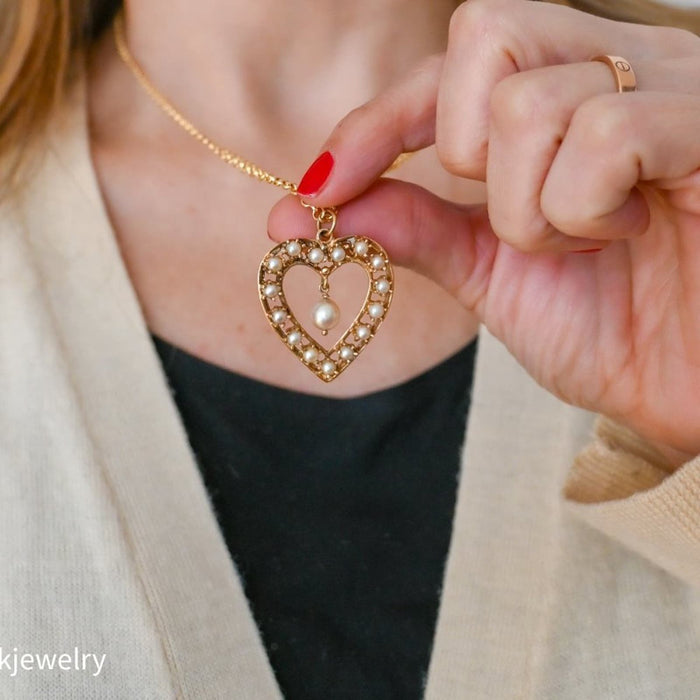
x,y
624,487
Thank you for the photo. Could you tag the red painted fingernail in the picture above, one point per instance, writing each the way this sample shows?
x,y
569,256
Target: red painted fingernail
x,y
590,250
315,177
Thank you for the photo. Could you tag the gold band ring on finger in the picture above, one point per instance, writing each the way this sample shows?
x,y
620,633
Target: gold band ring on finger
x,y
622,70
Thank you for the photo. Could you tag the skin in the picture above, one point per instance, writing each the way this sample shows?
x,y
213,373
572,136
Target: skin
x,y
192,230
569,165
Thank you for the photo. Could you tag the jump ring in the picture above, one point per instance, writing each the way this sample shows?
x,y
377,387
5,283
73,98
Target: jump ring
x,y
622,70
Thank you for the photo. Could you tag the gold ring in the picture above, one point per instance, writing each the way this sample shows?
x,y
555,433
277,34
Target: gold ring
x,y
622,70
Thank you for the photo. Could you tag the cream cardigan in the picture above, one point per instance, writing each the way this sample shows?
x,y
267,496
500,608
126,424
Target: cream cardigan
x,y
108,544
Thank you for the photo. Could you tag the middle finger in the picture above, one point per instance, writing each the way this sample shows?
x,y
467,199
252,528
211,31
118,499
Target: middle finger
x,y
530,115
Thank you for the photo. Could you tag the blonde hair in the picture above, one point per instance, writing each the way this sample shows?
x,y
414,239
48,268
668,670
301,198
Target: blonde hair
x,y
37,41
39,38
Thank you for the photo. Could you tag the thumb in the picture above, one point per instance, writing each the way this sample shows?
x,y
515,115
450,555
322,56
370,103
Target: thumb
x,y
451,244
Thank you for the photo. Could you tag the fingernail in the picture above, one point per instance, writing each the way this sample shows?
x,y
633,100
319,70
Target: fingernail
x,y
315,177
590,250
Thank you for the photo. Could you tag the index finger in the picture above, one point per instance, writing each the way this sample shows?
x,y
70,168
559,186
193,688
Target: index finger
x,y
448,97
368,140
490,40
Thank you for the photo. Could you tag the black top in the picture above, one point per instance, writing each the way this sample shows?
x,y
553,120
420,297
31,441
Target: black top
x,y
337,513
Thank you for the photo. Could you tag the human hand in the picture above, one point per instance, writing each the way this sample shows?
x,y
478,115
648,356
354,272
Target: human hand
x,y
569,165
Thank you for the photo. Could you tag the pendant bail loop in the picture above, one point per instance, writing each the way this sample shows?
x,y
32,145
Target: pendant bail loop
x,y
326,219
324,235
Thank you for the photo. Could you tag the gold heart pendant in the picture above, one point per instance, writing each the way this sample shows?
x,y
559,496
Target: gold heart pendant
x,y
325,254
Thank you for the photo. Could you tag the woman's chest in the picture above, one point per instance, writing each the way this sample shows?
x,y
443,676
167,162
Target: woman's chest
x,y
192,250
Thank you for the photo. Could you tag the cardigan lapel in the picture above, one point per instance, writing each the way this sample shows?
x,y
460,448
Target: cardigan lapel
x,y
212,646
493,617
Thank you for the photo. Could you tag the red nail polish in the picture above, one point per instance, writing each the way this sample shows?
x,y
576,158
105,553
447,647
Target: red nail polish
x,y
590,250
315,177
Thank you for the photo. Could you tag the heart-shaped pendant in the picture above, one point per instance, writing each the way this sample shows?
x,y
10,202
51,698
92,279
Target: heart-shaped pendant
x,y
325,254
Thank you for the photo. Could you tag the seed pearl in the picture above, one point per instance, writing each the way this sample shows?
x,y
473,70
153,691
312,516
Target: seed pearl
x,y
328,367
293,248
362,332
382,286
274,264
376,310
293,338
346,353
361,248
338,254
326,314
271,290
279,315
377,262
315,255
310,354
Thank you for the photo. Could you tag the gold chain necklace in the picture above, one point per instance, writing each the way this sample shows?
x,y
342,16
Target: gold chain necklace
x,y
324,254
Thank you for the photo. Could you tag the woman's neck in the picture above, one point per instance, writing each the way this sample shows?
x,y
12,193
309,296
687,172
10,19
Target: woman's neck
x,y
268,80
280,61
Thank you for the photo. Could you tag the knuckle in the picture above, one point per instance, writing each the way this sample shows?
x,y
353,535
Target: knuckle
x,y
458,158
561,217
475,18
521,102
568,210
450,160
526,237
602,123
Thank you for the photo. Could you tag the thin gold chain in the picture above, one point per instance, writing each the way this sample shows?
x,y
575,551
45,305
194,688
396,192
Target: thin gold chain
x,y
233,159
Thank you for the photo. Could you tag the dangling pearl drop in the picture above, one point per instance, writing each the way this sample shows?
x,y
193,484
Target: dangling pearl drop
x,y
326,315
